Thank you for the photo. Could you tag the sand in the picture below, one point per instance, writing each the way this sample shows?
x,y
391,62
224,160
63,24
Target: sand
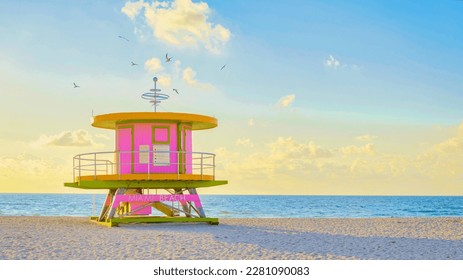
x,y
76,238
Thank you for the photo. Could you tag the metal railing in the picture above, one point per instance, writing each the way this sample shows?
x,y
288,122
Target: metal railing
x,y
144,162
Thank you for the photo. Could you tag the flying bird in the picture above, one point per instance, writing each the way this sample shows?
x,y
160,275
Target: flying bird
x,y
175,90
75,86
223,67
123,38
168,58
133,64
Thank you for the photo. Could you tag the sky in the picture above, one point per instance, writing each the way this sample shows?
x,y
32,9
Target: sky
x,y
316,97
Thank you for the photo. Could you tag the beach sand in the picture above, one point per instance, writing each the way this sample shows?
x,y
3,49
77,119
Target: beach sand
x,y
76,238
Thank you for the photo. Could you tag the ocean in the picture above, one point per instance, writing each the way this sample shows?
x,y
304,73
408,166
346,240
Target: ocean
x,y
251,206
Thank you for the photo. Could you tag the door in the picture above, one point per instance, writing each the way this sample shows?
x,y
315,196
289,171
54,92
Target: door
x,y
125,149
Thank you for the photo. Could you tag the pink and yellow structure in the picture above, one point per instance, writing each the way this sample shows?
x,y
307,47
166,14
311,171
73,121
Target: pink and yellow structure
x,y
153,169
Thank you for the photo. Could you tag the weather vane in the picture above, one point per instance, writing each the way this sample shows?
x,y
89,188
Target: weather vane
x,y
154,96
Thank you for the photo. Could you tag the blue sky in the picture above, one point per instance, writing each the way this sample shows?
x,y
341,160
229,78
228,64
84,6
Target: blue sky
x,y
310,76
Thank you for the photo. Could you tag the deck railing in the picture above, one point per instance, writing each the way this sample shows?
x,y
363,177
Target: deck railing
x,y
116,163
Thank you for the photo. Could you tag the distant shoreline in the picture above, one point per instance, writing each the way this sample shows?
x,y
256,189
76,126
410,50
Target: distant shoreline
x,y
76,238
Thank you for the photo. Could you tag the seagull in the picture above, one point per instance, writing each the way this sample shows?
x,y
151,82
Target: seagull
x,y
223,66
168,58
75,86
123,38
133,64
175,90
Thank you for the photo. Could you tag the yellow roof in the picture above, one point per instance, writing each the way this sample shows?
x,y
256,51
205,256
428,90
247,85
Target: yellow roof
x,y
110,121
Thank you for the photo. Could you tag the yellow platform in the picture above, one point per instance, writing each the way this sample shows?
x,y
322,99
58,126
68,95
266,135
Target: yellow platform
x,y
198,122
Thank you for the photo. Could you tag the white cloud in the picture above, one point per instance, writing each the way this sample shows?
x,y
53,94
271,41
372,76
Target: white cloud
x,y
28,173
244,142
177,68
224,153
103,136
444,159
366,149
289,148
286,101
332,62
366,138
132,9
180,23
153,65
78,138
189,76
164,81
453,144
251,122
278,158
11,166
360,169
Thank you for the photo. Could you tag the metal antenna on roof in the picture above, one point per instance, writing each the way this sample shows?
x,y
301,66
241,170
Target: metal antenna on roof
x,y
154,96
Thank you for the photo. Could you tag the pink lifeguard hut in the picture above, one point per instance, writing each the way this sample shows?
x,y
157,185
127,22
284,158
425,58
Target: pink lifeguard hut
x,y
153,170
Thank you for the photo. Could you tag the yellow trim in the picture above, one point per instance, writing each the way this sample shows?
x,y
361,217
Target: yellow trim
x,y
183,146
138,177
114,222
144,184
198,122
126,126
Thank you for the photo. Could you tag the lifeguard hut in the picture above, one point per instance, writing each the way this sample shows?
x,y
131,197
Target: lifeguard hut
x,y
153,174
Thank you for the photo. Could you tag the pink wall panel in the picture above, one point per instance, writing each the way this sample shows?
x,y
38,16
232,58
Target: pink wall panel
x,y
124,146
149,134
143,135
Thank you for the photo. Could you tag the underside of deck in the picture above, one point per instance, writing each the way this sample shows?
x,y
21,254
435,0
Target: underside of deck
x,y
107,183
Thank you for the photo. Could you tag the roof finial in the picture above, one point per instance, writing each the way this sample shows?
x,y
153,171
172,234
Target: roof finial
x,y
154,96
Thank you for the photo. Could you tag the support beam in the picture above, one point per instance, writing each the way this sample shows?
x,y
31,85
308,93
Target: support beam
x,y
198,205
168,211
185,206
106,205
113,209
